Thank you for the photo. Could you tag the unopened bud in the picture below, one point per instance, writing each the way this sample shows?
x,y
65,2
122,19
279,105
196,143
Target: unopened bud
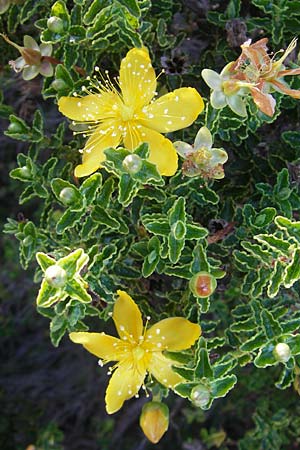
x,y
15,127
67,195
282,352
27,241
200,395
132,164
202,284
154,420
56,276
55,24
25,172
59,84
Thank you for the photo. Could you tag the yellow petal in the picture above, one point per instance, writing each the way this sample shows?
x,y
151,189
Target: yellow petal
x,y
173,334
137,78
127,317
161,368
173,111
93,107
124,384
162,151
102,345
93,154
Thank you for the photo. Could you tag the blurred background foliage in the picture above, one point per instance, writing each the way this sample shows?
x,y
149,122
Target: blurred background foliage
x,y
51,398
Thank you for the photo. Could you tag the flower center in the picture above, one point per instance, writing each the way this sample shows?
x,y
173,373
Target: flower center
x,y
126,113
138,352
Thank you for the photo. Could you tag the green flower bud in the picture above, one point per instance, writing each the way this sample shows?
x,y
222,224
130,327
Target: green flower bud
x,y
132,164
56,276
25,172
154,421
67,195
58,84
15,127
27,241
282,352
55,24
200,395
202,284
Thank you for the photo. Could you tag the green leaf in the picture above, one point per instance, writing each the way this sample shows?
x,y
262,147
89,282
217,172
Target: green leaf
x,y
292,271
127,189
68,220
221,386
59,9
152,258
90,187
265,357
103,217
203,368
48,295
77,291
132,6
44,260
271,326
58,327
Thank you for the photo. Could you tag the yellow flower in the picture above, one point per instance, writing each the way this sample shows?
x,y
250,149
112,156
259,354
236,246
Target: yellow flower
x,y
138,351
131,116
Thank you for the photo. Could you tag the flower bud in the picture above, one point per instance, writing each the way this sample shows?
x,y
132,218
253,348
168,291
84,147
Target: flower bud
x,y
67,195
56,276
200,395
55,24
282,352
25,172
15,127
154,420
132,164
58,84
202,284
27,241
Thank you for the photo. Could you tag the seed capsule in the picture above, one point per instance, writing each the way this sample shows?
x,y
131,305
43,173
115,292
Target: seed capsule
x,y
203,284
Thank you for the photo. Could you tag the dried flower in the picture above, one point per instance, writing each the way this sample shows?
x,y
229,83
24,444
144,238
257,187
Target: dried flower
x,y
264,73
138,351
254,72
131,116
31,62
